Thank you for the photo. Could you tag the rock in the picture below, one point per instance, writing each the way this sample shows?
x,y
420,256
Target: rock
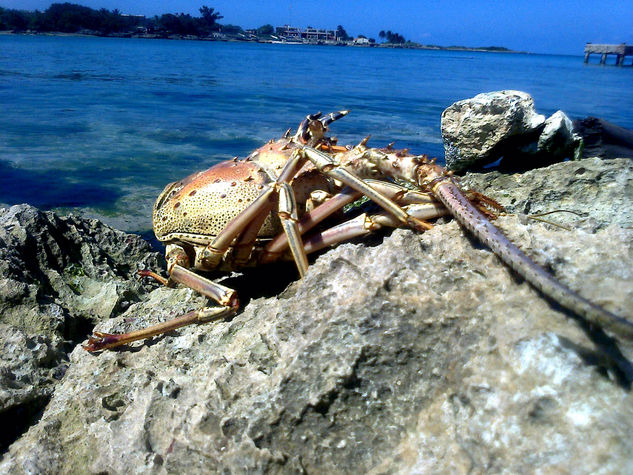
x,y
58,277
503,126
30,367
480,130
558,139
420,353
64,265
598,191
604,139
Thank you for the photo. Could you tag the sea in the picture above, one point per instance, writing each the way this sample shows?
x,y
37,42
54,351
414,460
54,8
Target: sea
x,y
98,126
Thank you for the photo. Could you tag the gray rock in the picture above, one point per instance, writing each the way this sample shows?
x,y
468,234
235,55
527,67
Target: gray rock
x,y
67,262
504,126
58,276
558,139
599,192
480,130
422,353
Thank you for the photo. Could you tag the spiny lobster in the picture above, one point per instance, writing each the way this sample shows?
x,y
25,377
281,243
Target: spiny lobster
x,y
249,212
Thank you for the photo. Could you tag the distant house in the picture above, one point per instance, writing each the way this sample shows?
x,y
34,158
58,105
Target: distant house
x,y
361,40
288,32
315,35
309,35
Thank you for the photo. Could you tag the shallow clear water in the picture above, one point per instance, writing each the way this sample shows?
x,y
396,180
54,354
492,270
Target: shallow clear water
x,y
98,126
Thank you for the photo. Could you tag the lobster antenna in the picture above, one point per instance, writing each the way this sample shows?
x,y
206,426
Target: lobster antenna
x,y
538,217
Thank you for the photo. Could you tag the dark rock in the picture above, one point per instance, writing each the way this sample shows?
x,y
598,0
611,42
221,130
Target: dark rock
x,y
604,139
421,354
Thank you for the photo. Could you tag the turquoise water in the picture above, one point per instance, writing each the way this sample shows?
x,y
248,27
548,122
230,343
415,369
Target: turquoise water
x,y
98,126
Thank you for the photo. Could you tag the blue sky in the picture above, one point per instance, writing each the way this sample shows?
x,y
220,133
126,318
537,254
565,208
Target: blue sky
x,y
538,26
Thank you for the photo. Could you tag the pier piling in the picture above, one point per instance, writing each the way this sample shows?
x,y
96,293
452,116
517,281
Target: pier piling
x,y
620,51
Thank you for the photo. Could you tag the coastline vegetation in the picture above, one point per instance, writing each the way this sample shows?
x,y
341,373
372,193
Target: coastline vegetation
x,y
71,18
74,18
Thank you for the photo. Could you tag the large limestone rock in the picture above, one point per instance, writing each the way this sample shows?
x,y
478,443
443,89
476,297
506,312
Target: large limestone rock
x,y
600,191
58,277
478,130
421,353
504,125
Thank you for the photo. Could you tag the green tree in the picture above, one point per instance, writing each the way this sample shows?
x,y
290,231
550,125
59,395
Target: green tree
x,y
168,22
341,34
231,29
180,24
394,38
70,17
209,20
265,30
14,19
113,21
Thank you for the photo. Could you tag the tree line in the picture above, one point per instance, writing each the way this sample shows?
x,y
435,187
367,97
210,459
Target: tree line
x,y
392,37
73,18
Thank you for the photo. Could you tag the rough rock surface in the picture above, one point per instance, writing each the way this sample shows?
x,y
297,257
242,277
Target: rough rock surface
x,y
601,191
479,130
504,125
558,140
58,277
422,353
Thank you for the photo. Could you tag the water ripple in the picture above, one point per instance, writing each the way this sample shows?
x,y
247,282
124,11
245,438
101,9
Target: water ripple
x,y
100,125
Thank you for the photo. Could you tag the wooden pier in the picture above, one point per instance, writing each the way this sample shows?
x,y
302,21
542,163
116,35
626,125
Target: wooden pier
x,y
620,51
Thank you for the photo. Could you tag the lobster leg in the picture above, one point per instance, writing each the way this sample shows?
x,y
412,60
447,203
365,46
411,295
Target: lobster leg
x,y
246,241
248,222
225,296
275,247
400,194
253,221
102,341
214,252
289,219
310,131
327,165
397,193
365,224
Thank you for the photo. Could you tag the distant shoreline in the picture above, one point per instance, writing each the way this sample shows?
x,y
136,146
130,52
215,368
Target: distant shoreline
x,y
417,46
